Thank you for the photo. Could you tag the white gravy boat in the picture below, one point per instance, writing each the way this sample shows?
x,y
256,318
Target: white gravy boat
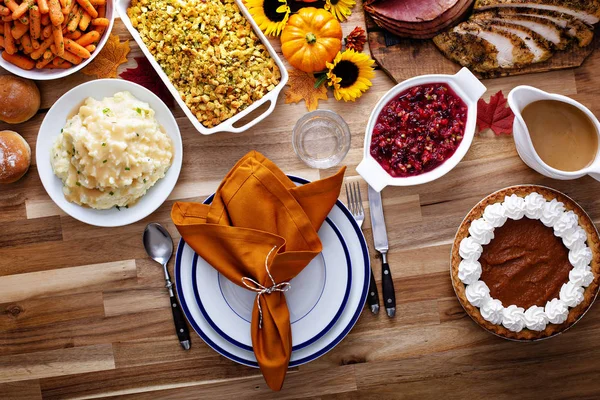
x,y
519,98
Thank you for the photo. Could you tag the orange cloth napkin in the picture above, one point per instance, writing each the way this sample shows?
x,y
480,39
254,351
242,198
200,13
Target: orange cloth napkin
x,y
260,218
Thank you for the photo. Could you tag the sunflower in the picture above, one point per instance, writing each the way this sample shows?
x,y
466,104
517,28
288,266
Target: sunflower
x,y
270,15
350,75
341,9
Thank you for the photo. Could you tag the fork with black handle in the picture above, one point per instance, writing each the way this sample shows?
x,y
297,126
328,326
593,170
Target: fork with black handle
x,y
358,212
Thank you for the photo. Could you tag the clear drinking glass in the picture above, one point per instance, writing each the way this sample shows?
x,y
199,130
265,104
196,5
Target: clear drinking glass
x,y
321,139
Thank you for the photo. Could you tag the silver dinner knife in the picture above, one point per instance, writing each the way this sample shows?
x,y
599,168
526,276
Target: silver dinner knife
x,y
381,245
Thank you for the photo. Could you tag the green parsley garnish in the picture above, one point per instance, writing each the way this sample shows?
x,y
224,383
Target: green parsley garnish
x,y
126,206
144,180
103,144
78,184
118,208
78,172
61,131
104,161
127,169
137,134
111,193
138,110
106,110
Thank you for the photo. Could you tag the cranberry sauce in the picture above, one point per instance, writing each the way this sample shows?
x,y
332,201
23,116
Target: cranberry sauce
x,y
418,130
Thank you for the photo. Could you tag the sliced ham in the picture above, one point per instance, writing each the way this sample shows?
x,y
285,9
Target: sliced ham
x,y
412,11
586,10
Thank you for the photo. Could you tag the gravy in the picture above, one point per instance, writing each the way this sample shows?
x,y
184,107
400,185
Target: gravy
x,y
562,135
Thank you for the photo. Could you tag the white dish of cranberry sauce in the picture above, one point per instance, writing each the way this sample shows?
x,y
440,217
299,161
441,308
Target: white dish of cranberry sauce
x,y
420,129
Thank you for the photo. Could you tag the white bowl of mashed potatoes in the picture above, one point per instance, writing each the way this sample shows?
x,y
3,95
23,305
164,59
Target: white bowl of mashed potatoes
x,y
109,152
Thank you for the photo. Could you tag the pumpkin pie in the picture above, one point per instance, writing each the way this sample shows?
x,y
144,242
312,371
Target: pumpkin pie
x,y
526,262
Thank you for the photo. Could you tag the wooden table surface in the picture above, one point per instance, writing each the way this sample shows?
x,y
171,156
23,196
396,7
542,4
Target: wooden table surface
x,y
84,314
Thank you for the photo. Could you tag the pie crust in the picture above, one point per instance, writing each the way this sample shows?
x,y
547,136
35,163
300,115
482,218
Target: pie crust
x,y
593,242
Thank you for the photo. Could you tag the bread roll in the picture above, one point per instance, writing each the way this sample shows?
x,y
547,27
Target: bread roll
x,y
15,156
19,99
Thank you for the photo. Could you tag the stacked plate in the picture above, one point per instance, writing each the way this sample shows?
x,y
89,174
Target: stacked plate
x,y
325,299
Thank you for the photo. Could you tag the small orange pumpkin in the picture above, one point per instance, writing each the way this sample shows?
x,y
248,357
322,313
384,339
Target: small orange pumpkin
x,y
311,38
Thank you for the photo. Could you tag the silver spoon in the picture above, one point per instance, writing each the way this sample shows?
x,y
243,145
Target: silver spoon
x,y
159,246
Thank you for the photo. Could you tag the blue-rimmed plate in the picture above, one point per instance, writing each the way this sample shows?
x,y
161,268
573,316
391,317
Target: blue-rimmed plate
x,y
340,218
316,298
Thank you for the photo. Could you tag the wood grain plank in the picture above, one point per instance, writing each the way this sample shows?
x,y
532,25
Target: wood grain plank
x,y
46,311
25,232
18,367
21,390
131,301
73,280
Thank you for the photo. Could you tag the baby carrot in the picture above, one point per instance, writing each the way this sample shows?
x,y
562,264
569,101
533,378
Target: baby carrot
x,y
88,38
56,15
68,7
35,24
5,12
101,12
72,58
76,49
18,60
85,20
87,6
98,2
22,9
64,65
26,42
48,54
45,61
45,45
58,40
90,47
45,19
12,5
74,35
100,22
35,44
19,29
1,42
9,41
47,32
2,29
57,61
43,5
75,18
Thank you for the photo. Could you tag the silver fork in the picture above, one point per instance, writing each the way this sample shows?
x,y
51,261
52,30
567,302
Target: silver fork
x,y
357,210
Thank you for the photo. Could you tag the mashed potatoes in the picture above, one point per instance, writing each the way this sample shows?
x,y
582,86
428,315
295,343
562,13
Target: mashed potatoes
x,y
111,152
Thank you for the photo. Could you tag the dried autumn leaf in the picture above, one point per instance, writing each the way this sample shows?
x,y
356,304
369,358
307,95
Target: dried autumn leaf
x,y
302,87
356,39
495,115
112,55
146,76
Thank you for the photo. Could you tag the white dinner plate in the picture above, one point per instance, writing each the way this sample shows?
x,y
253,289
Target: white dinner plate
x,y
55,120
316,298
359,278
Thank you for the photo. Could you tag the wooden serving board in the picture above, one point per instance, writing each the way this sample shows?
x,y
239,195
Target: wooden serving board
x,y
412,57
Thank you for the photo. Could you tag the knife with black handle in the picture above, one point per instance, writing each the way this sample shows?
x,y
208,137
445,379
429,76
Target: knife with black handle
x,y
380,240
373,297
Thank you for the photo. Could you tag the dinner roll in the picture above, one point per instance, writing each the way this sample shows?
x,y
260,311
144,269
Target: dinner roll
x,y
19,99
15,156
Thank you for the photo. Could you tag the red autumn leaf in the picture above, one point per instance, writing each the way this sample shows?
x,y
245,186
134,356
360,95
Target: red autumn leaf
x,y
495,115
146,76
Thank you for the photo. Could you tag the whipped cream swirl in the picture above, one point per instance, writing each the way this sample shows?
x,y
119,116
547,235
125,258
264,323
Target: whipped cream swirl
x,y
534,205
580,255
495,215
481,231
573,237
571,294
514,206
557,311
469,249
552,211
469,271
535,318
513,318
565,224
492,311
581,276
477,293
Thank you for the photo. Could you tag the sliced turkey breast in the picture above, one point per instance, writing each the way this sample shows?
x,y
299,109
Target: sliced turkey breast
x,y
511,49
586,10
539,46
543,27
573,27
468,50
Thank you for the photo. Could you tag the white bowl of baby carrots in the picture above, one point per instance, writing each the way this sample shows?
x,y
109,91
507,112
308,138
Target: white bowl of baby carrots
x,y
50,39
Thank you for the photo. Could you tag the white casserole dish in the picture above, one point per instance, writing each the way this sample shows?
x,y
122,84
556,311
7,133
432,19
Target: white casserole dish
x,y
227,125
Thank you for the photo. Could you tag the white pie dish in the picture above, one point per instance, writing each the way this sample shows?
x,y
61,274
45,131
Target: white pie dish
x,y
55,120
227,125
466,86
49,74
